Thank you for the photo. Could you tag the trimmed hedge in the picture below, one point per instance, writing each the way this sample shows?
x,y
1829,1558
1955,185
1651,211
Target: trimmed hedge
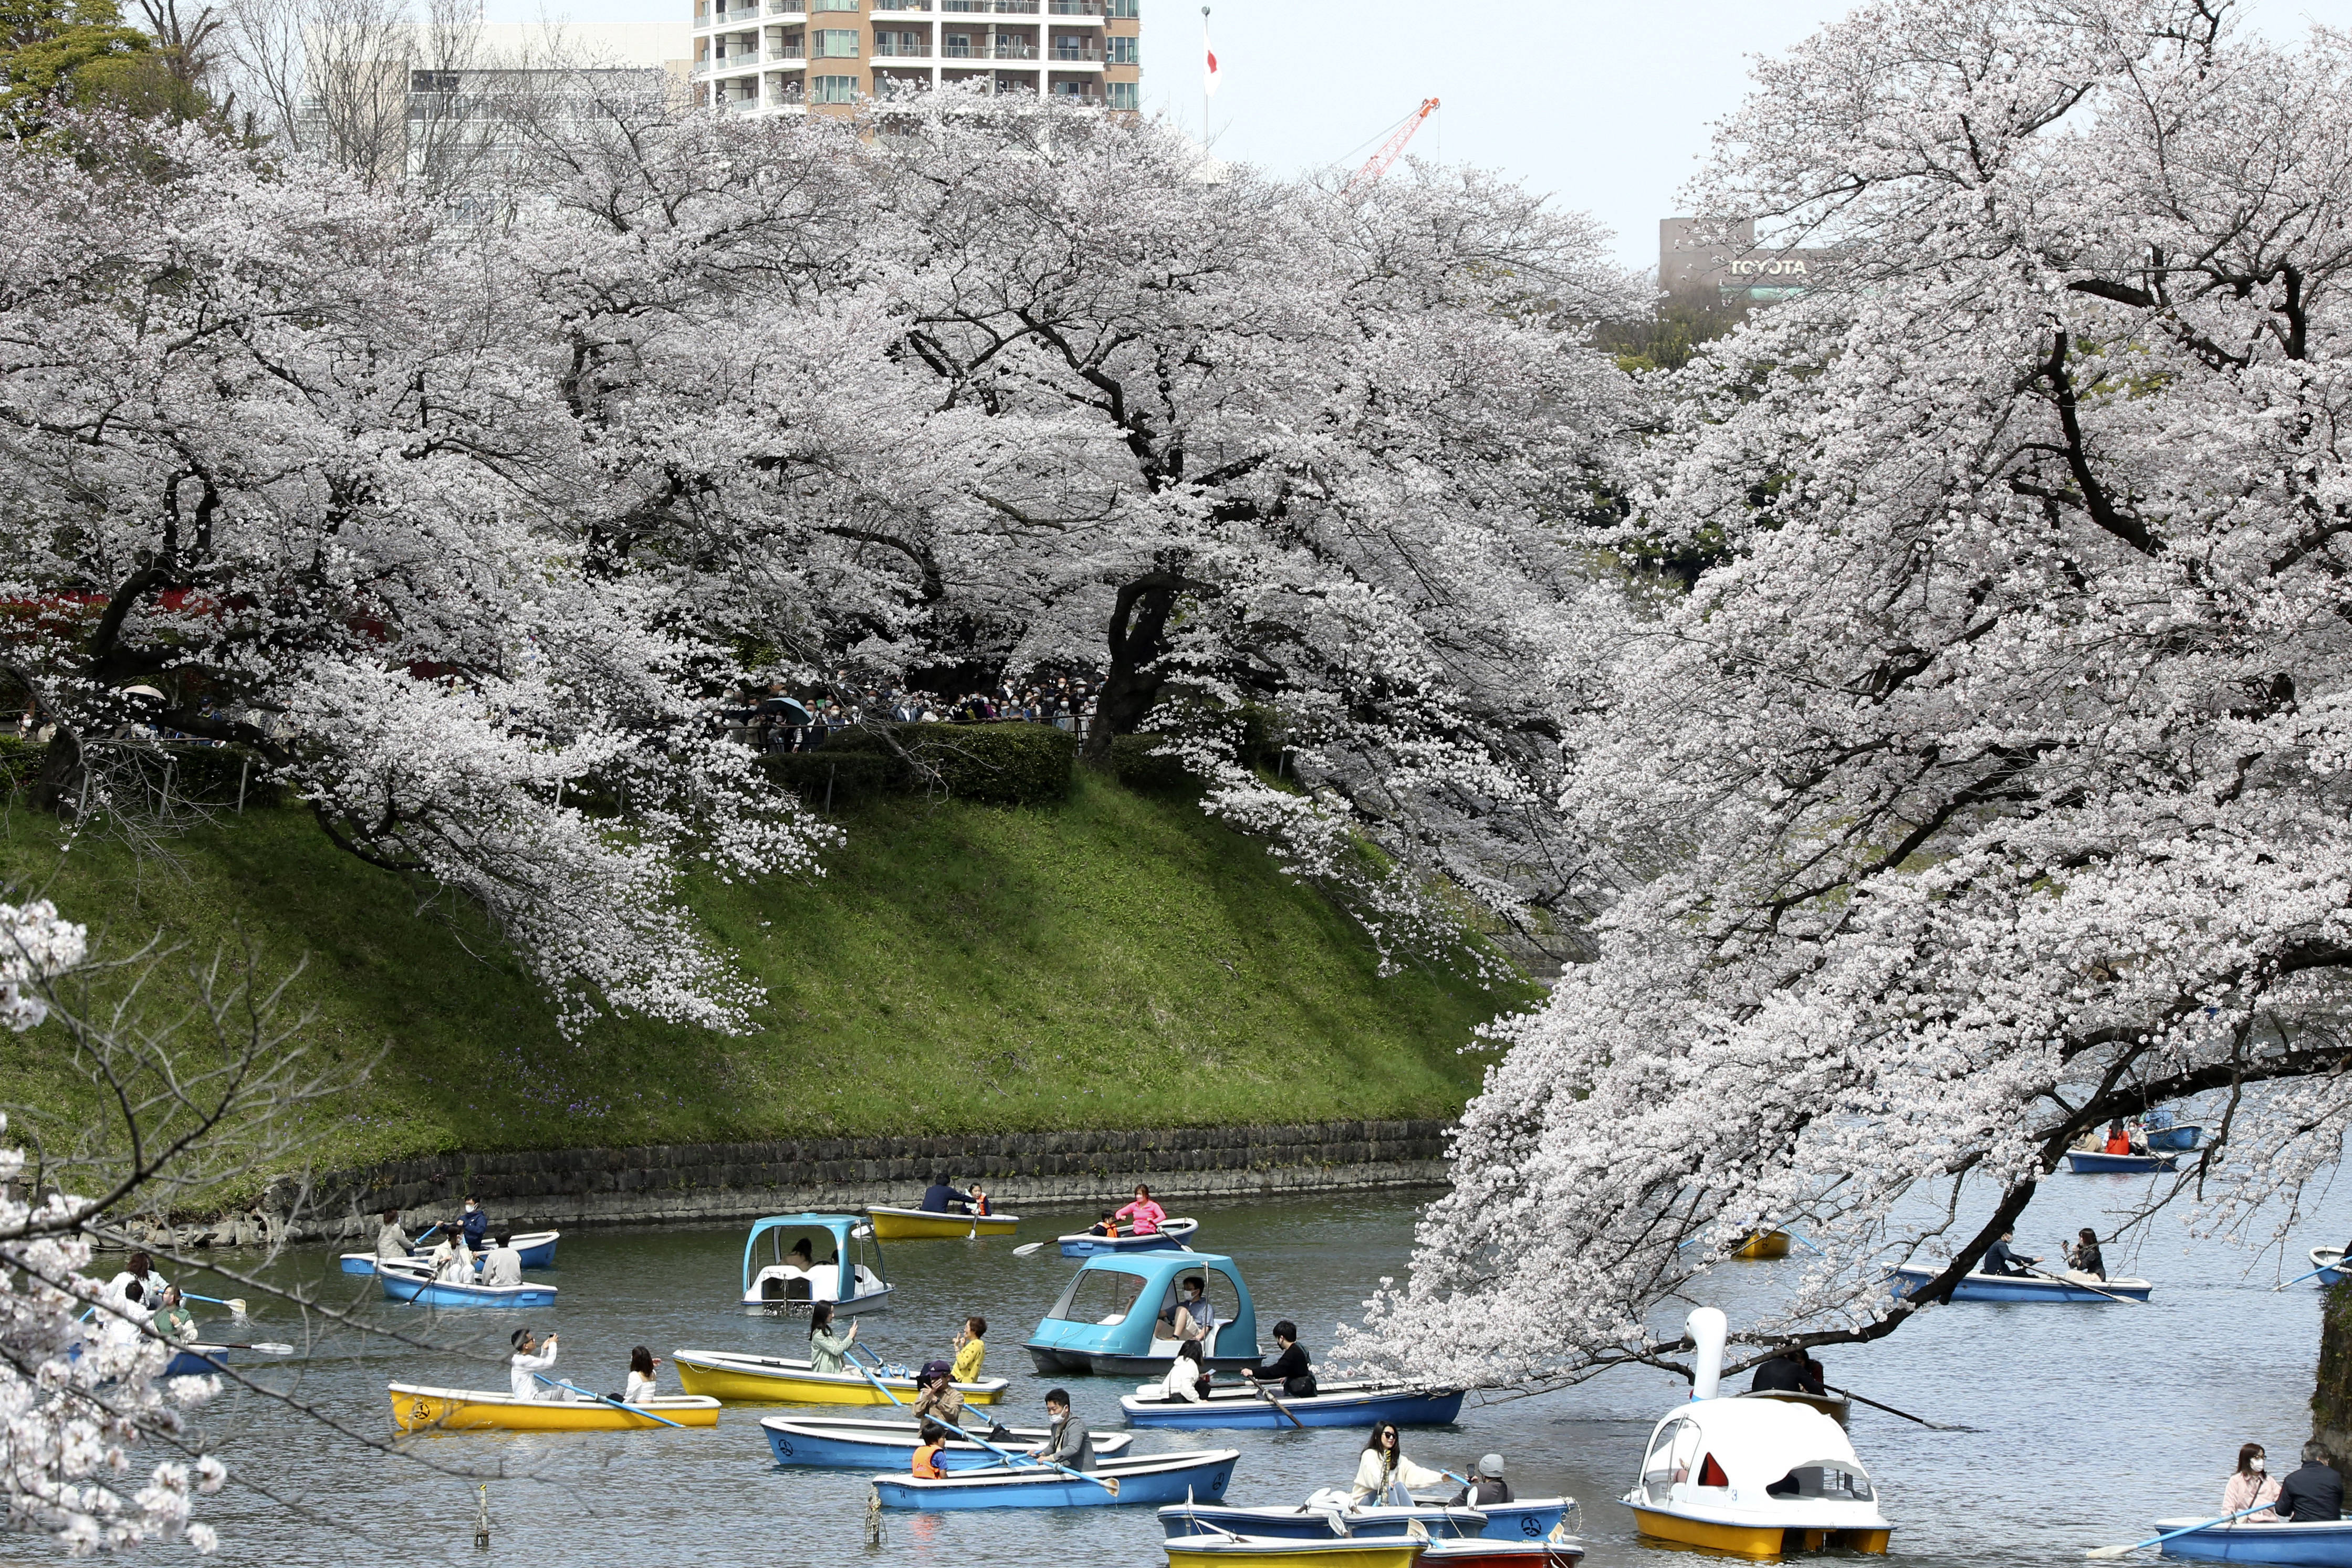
x,y
1006,763
1135,762
849,774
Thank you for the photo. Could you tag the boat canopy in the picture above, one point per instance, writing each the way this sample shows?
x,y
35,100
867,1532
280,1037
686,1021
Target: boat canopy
x,y
848,1249
1758,1446
1115,1299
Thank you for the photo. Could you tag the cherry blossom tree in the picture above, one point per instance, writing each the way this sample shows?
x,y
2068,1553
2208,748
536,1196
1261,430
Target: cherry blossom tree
x,y
1987,785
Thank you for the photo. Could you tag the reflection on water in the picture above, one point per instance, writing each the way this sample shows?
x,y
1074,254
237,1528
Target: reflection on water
x,y
2089,1421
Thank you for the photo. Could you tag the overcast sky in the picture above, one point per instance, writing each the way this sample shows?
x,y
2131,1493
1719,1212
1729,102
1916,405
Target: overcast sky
x,y
1604,103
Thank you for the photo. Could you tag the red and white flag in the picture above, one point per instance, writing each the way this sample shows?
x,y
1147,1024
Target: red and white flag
x,y
1208,59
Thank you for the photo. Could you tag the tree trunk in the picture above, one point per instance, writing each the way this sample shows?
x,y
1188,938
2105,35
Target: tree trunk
x,y
57,786
2331,1401
1137,638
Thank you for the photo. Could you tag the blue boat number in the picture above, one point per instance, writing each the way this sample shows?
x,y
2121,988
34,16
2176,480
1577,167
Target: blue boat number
x,y
1529,1527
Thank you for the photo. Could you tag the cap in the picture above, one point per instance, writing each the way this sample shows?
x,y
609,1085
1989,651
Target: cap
x,y
932,1369
1492,1465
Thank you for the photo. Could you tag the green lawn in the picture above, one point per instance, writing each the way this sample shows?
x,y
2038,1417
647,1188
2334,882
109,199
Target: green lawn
x,y
1116,961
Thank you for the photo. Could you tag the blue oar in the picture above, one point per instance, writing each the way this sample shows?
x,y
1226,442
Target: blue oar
x,y
1108,1483
236,1304
631,1409
2323,1268
2103,1554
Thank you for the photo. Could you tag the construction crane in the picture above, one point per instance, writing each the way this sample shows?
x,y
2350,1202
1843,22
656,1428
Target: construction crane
x,y
1378,164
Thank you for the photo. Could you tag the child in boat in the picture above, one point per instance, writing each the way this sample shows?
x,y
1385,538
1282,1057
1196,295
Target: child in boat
x,y
2250,1484
531,1357
1384,1474
971,1350
2118,1140
1107,1226
640,1389
927,1452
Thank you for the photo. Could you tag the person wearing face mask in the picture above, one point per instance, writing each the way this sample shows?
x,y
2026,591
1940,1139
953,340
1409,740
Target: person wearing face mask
x,y
2250,1484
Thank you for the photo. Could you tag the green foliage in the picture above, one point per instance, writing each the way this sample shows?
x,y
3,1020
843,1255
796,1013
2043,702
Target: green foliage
x,y
1116,960
1667,340
846,776
1010,763
82,52
20,759
1136,761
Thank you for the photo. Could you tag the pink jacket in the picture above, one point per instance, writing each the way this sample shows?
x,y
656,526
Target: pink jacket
x,y
1146,1215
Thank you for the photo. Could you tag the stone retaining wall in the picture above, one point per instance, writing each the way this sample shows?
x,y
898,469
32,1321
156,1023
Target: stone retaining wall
x,y
569,1188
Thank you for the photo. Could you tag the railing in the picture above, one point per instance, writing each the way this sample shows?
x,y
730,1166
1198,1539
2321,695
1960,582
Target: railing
x,y
721,18
902,5
1074,7
701,68
742,60
787,51
1014,52
1068,52
787,7
999,7
886,49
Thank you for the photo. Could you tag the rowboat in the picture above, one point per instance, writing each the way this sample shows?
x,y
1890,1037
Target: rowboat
x,y
2179,1136
1336,1552
788,1380
1330,1512
2325,1543
2324,1260
2095,1163
1485,1552
202,1361
416,1409
537,1247
413,1282
927,1225
1335,1404
1112,1318
1173,1235
1755,1476
833,1443
1147,1479
1763,1244
843,1265
2070,1287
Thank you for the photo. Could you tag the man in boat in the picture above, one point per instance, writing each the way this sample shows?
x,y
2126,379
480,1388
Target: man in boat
x,y
476,1226
2000,1259
1192,1318
1289,1368
502,1265
1067,1442
531,1357
2314,1493
1790,1371
1486,1486
941,1198
938,1396
392,1243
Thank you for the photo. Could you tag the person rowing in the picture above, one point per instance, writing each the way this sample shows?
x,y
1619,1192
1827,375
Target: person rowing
x,y
502,1265
1790,1371
1144,1216
475,1227
1067,1442
1290,1368
453,1263
1998,1259
939,1197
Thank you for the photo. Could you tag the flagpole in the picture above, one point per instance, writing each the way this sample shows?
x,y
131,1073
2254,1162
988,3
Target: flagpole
x,y
1204,84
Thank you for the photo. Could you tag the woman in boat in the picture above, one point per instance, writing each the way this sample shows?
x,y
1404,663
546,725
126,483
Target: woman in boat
x,y
1384,1474
1289,1368
970,1350
1144,1216
2118,1140
2251,1485
454,1263
828,1351
138,1286
927,1452
175,1322
1187,1379
801,1257
531,1357
2084,1256
640,1389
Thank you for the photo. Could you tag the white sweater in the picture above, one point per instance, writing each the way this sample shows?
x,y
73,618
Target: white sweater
x,y
521,1367
1370,1483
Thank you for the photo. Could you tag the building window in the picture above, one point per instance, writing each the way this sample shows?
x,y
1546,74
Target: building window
x,y
1127,51
833,89
837,44
832,4
1125,8
1125,95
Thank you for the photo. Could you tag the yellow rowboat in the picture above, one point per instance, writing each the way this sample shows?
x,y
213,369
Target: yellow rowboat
x,y
420,1409
784,1380
1267,1552
929,1225
1761,1244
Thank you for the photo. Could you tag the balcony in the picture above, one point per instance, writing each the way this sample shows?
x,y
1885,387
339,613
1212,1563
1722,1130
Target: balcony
x,y
794,52
787,7
1077,53
898,6
740,60
893,49
994,7
725,15
1074,7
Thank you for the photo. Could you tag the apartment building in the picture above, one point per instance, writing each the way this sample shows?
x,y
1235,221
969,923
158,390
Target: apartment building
x,y
790,57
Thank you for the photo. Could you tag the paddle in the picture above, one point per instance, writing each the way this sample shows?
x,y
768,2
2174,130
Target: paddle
x,y
2314,1274
1108,1483
2078,1285
1027,1247
236,1304
2107,1553
630,1409
1288,1413
1922,1420
264,1347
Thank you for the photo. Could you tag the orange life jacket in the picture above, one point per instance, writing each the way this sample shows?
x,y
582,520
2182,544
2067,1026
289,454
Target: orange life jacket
x,y
2119,1144
926,1464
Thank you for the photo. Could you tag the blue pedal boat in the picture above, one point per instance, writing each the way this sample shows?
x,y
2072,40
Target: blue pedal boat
x,y
537,1249
1175,1236
1113,1317
1338,1405
1328,1514
1149,1480
413,1284
2091,1163
2325,1543
2077,1289
837,1443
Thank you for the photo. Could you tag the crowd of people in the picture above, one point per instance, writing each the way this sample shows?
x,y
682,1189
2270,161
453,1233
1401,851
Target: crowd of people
x,y
781,720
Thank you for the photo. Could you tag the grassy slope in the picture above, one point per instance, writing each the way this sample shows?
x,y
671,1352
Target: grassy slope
x,y
1117,962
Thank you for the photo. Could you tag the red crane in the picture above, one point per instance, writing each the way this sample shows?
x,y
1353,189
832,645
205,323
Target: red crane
x,y
1378,164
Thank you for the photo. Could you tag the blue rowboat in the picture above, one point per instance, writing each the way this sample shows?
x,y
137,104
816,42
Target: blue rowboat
x,y
2320,1544
200,1360
1113,1318
2179,1136
408,1284
1151,1479
2324,1260
536,1247
1174,1235
2089,1162
1328,1513
833,1443
2071,1287
1338,1405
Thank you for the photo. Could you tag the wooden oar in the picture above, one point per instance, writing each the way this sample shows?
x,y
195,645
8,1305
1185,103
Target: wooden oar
x,y
1922,1420
1288,1413
2106,1553
631,1409
2077,1284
